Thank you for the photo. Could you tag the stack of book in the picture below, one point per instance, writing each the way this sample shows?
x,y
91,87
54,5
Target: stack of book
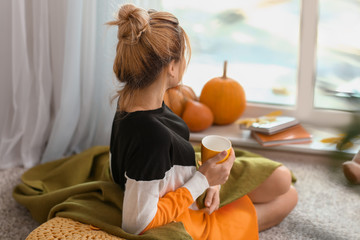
x,y
277,130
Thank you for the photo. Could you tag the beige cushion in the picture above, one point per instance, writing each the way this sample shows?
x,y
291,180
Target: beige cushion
x,y
65,228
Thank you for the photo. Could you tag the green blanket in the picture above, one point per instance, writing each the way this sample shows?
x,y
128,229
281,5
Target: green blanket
x,y
80,187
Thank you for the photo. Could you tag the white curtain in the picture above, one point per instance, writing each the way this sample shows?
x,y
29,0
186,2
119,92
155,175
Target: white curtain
x,y
56,77
26,82
84,116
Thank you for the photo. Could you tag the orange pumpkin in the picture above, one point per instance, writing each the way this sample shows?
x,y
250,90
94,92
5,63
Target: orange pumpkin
x,y
187,91
175,98
225,97
197,116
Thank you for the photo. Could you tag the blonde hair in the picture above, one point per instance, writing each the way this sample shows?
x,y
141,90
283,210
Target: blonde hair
x,y
148,42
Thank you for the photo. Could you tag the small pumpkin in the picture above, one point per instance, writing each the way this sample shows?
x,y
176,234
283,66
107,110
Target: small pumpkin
x,y
225,97
175,98
197,116
187,91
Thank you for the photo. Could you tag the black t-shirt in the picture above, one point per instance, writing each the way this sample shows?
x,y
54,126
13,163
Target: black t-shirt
x,y
146,144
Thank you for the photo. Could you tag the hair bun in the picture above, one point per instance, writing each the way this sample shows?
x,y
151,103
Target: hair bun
x,y
132,22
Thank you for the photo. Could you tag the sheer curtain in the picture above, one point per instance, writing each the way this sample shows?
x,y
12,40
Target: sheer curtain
x,y
56,77
84,116
26,82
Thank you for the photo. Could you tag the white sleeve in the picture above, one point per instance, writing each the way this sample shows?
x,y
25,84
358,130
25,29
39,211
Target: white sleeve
x,y
197,185
141,199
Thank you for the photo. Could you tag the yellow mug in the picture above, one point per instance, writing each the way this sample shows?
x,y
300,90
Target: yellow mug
x,y
212,145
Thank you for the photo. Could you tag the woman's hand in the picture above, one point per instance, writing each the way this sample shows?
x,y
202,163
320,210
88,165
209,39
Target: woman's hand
x,y
217,174
212,200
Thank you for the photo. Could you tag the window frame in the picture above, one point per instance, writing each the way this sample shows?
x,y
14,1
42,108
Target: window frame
x,y
304,109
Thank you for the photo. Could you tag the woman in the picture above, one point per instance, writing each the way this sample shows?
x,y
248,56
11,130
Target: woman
x,y
151,157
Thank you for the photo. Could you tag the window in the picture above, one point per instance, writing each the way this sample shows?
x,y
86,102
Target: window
x,y
260,40
338,55
272,51
299,56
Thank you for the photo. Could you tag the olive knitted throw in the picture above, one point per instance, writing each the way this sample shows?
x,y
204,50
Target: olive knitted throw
x,y
80,188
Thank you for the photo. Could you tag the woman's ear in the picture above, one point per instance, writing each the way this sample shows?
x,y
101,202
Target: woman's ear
x,y
172,69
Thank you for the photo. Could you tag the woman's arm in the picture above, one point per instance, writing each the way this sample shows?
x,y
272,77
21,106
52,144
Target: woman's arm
x,y
169,208
173,204
144,208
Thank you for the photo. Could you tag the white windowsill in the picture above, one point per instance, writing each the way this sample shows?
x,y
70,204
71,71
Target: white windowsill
x,y
242,138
